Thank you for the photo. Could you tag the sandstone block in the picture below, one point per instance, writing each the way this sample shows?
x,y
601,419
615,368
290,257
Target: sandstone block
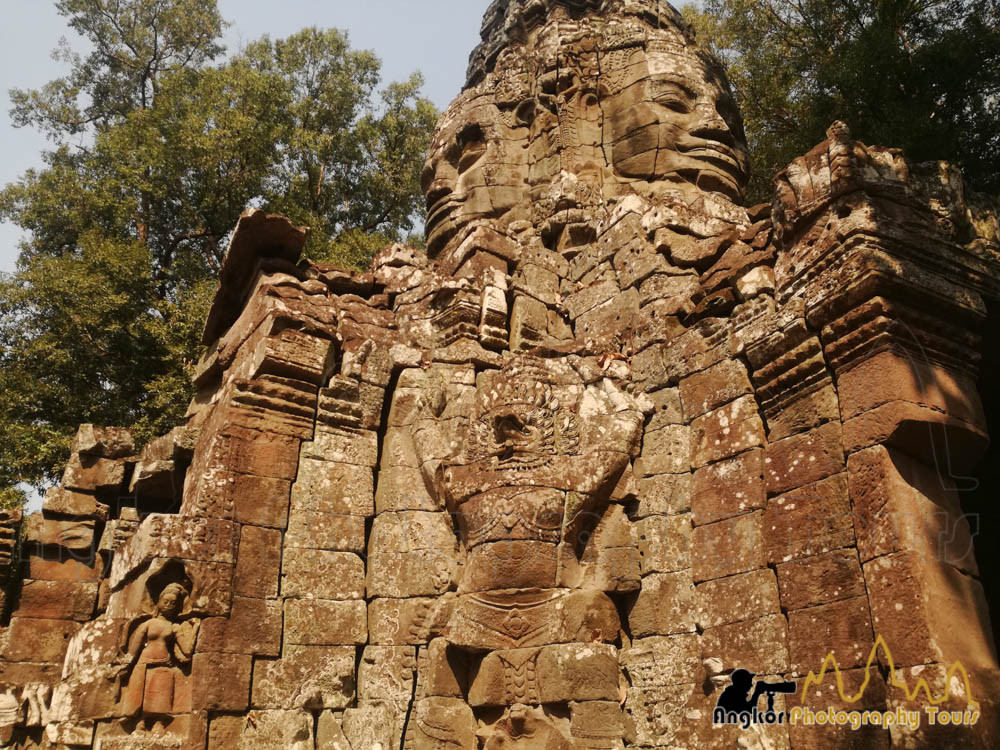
x,y
345,446
729,488
69,503
758,645
387,673
310,677
842,628
929,612
319,574
407,621
573,672
729,547
667,408
808,521
442,671
329,487
33,640
401,488
253,627
315,622
664,606
434,717
407,574
749,596
64,567
824,696
57,600
659,661
247,451
258,565
901,505
105,442
86,473
726,431
665,494
76,535
664,543
263,730
803,459
821,579
220,682
665,451
709,389
660,717
327,531
700,347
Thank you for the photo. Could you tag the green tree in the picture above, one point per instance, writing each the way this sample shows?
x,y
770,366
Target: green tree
x,y
159,146
923,75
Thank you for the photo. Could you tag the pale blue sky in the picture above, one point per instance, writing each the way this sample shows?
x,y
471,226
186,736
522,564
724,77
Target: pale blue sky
x,y
433,36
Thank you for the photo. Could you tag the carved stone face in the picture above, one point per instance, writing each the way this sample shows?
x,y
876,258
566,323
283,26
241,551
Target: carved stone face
x,y
551,136
675,119
474,171
170,601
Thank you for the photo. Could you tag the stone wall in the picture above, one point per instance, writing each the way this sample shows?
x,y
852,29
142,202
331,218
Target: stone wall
x,y
549,482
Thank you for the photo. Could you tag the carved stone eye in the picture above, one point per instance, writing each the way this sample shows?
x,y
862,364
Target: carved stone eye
x,y
471,147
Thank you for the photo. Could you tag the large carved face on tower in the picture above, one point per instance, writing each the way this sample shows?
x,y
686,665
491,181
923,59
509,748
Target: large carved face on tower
x,y
673,118
565,113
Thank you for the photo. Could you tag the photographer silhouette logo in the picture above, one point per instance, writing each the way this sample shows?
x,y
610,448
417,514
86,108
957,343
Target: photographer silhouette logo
x,y
739,705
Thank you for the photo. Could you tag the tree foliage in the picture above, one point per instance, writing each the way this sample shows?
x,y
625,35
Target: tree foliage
x,y
923,75
159,144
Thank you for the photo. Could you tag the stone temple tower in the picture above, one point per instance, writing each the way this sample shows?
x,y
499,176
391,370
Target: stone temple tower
x,y
551,482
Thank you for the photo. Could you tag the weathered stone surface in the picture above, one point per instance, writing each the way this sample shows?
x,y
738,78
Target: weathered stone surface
x,y
803,459
714,387
666,494
89,473
664,543
325,531
821,579
316,622
729,488
263,729
221,682
728,547
826,695
749,596
659,661
901,505
811,520
331,487
664,605
319,574
915,604
311,677
253,627
258,565
57,600
726,431
760,646
35,640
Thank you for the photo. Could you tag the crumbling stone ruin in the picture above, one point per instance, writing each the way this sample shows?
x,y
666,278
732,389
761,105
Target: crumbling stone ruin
x,y
546,484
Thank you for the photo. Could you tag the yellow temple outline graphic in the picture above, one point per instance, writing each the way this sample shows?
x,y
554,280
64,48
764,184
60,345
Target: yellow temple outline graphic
x,y
894,680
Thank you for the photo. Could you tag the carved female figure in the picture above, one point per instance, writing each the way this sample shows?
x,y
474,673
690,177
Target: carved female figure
x,y
156,650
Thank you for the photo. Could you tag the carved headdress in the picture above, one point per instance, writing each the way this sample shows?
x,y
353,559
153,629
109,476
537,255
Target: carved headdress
x,y
508,22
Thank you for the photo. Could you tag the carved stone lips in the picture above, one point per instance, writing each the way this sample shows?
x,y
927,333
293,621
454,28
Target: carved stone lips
x,y
715,153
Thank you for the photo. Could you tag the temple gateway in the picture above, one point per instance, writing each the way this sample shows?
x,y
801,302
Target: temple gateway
x,y
612,451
